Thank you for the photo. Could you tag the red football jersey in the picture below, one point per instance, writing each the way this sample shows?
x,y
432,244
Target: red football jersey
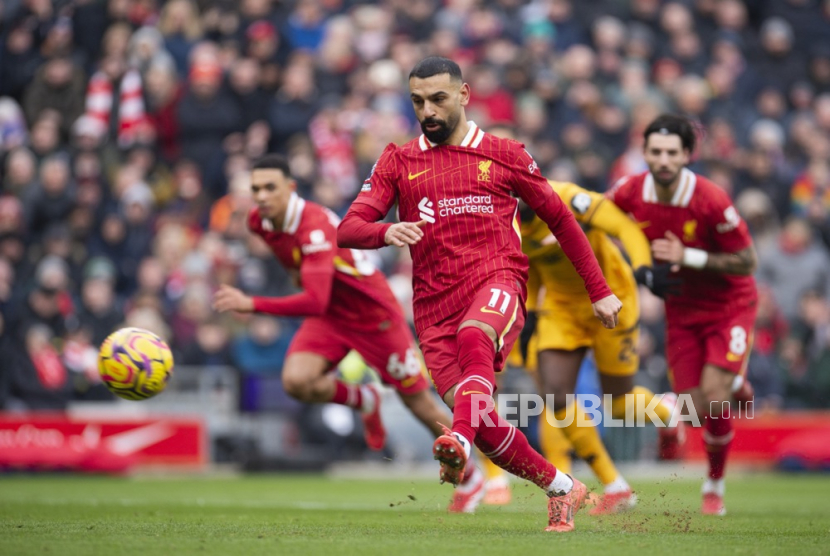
x,y
702,216
467,194
360,296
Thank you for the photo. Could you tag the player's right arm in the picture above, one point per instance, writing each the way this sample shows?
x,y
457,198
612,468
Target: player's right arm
x,y
659,278
316,278
734,253
360,228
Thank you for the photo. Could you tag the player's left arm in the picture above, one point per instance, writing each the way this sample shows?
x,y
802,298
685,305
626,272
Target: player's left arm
x,y
535,190
734,254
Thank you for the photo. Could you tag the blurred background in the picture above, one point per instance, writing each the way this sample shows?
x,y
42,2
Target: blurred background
x,y
127,128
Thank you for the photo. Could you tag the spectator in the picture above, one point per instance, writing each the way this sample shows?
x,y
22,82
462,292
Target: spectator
x,y
206,115
52,198
179,24
20,61
20,171
14,132
245,80
38,379
778,61
209,346
795,265
47,302
98,311
295,104
58,86
262,349
163,96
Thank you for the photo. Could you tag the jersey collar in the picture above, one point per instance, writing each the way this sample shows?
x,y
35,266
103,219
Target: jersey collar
x,y
682,195
471,140
293,214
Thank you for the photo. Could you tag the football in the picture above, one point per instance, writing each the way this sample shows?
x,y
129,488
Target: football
x,y
134,363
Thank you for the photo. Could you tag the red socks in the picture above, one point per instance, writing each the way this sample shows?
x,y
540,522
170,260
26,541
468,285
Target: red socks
x,y
508,448
347,394
717,436
503,443
476,357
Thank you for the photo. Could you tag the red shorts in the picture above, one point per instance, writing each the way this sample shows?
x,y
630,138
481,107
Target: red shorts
x,y
391,353
724,343
498,305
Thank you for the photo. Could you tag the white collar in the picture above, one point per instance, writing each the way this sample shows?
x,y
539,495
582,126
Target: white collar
x,y
473,138
293,214
682,195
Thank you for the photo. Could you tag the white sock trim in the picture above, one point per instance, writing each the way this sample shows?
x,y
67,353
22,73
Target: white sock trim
x,y
718,486
464,442
368,399
617,485
560,485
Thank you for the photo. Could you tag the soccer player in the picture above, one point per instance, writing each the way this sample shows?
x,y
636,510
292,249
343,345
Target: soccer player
x,y
456,189
348,305
692,224
565,328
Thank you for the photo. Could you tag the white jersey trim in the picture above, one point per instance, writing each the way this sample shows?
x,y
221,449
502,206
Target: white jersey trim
x,y
682,195
473,138
293,214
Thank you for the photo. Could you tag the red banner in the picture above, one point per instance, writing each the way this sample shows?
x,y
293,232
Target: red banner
x,y
802,436
56,441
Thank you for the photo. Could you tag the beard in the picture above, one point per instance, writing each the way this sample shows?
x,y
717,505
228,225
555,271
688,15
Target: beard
x,y
664,182
445,129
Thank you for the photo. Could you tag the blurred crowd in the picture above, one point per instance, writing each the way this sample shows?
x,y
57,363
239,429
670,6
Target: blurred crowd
x,y
127,128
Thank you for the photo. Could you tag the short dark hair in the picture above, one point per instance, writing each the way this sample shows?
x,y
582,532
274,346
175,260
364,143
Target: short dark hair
x,y
273,161
435,65
672,124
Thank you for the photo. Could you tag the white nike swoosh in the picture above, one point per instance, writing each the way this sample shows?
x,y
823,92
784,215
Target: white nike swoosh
x,y
131,441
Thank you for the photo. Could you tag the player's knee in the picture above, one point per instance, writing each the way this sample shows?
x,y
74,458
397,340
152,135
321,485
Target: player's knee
x,y
296,386
483,326
714,394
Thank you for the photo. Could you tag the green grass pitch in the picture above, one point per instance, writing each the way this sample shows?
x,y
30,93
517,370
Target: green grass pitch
x,y
302,514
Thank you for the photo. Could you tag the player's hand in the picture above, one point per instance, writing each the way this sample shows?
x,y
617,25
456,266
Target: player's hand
x,y
229,298
607,309
404,233
659,280
668,249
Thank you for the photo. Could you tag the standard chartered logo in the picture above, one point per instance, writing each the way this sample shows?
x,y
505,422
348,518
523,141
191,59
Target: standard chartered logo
x,y
471,204
426,211
466,205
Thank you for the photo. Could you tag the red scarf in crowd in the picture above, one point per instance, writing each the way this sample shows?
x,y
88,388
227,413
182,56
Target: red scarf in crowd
x,y
131,114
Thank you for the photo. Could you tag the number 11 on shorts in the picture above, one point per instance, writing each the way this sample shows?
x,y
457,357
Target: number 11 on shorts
x,y
494,299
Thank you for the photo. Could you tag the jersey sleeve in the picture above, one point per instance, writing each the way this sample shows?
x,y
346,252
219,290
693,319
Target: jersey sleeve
x,y
379,189
317,243
731,233
620,193
527,180
535,190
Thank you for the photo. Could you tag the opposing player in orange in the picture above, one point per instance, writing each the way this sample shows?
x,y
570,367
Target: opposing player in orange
x,y
348,305
692,225
457,190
